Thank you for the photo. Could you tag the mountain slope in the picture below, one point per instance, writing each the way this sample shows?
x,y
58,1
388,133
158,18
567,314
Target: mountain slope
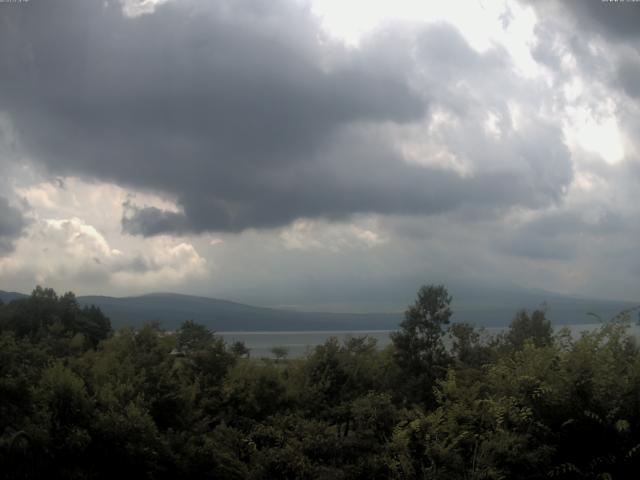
x,y
221,315
488,308
480,305
6,297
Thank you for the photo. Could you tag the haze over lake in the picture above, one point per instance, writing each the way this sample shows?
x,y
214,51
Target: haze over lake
x,y
298,344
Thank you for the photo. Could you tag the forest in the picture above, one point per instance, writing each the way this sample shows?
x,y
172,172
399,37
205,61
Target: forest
x,y
444,401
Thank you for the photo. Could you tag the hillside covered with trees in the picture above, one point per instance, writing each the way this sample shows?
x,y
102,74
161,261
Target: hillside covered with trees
x,y
79,400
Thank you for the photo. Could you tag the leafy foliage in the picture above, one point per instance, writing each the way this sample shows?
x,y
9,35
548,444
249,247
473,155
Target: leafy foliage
x,y
78,401
419,348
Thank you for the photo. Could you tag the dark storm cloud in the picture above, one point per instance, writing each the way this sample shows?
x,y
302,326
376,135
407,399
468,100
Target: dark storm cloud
x,y
612,19
12,223
152,221
246,115
361,173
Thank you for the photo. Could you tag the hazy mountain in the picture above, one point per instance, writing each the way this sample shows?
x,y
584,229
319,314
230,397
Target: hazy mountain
x,y
221,315
481,305
495,306
6,297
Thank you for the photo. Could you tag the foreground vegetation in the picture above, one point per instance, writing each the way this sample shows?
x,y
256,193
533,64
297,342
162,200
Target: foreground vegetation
x,y
80,401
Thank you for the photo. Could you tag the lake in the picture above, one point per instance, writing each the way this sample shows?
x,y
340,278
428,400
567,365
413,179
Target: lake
x,y
299,343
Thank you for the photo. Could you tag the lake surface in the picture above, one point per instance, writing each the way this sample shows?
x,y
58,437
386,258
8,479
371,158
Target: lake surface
x,y
299,344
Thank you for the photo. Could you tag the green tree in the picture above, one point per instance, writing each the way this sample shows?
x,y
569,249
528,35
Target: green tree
x,y
44,315
419,349
21,363
254,390
535,327
240,349
193,337
61,422
280,352
468,347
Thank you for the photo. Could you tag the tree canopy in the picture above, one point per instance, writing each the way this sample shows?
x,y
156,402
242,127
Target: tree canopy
x,y
419,347
443,401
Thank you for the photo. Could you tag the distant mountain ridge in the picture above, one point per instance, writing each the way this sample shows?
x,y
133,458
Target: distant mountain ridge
x,y
8,296
222,315
481,307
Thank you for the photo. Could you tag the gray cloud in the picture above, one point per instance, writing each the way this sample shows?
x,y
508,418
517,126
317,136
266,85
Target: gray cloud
x,y
250,118
576,26
629,76
571,222
12,224
151,221
598,41
558,235
613,20
136,264
539,248
617,20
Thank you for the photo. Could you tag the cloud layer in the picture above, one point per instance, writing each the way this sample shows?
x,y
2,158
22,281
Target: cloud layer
x,y
237,149
248,116
12,224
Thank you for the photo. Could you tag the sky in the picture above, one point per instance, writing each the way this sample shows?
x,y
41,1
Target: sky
x,y
319,153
